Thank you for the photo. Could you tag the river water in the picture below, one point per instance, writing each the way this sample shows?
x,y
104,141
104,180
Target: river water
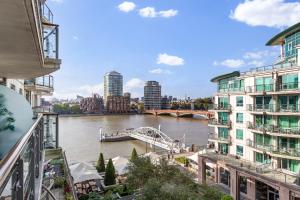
x,y
79,136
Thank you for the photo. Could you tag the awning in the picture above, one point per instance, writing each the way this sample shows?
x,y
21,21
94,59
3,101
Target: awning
x,y
83,172
120,165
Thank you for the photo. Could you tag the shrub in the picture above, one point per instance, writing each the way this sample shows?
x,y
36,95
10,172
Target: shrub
x,y
110,174
227,197
100,164
134,154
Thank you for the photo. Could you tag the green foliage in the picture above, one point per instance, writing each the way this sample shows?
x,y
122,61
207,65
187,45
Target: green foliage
x,y
59,182
68,196
182,160
110,174
161,181
134,154
211,193
66,109
100,163
227,197
94,196
6,117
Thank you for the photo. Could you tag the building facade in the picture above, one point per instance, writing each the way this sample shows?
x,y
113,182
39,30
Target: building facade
x,y
118,104
92,105
256,136
152,95
113,84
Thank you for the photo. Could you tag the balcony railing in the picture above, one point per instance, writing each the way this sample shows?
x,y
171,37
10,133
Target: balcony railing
x,y
268,128
257,127
225,90
260,88
219,122
278,150
20,169
284,65
47,13
223,107
278,87
51,36
216,137
273,107
46,81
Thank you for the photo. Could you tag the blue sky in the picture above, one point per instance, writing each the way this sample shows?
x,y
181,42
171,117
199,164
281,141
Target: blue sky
x,y
180,43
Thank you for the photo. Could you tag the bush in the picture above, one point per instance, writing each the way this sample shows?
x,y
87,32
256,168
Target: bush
x,y
227,197
100,164
134,154
183,160
59,182
68,196
110,174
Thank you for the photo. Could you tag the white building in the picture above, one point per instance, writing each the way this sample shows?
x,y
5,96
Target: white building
x,y
256,134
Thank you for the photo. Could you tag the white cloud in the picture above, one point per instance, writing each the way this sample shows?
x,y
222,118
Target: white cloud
x,y
57,1
84,90
75,37
148,12
169,60
168,13
256,63
134,83
270,13
126,6
232,63
159,71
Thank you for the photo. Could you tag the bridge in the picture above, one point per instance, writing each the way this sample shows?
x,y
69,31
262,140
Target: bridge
x,y
181,113
150,135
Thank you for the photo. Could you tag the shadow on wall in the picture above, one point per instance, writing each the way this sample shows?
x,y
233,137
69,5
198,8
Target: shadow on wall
x,y
19,109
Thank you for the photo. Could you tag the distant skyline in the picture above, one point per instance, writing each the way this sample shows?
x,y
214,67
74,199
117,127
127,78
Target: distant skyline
x,y
180,44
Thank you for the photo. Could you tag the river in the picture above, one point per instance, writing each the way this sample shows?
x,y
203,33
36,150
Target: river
x,y
79,136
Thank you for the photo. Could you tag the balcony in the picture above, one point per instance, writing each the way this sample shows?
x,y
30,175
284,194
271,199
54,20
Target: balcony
x,y
21,168
278,88
277,151
23,34
219,123
41,85
275,109
260,89
270,68
256,127
220,107
213,137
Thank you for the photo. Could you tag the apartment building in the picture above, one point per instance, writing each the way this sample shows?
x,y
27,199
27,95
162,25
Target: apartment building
x,y
92,105
255,142
29,54
113,84
152,95
118,104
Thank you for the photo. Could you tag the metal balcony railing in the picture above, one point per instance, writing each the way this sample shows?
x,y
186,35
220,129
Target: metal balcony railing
x,y
260,88
268,128
275,87
257,127
283,65
282,149
224,107
216,137
46,81
20,169
47,13
273,107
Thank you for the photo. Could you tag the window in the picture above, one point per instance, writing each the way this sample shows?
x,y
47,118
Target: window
x,y
243,184
239,101
239,150
291,165
223,133
239,117
262,158
239,134
20,91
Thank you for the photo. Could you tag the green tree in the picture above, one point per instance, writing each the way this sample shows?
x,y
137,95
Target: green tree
x,y
100,163
110,174
134,154
227,197
6,117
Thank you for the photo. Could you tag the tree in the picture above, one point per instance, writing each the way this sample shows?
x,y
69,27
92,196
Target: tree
x,y
100,164
110,174
6,117
227,197
134,154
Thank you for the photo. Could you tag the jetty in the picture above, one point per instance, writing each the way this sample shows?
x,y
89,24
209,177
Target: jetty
x,y
150,135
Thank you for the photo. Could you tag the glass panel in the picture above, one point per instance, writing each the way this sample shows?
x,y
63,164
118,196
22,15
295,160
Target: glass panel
x,y
239,134
223,133
239,101
239,117
239,150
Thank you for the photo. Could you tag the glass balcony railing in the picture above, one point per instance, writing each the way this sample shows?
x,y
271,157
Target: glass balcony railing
x,y
51,41
269,128
47,13
282,65
216,137
273,107
21,167
219,122
260,88
223,107
273,87
46,81
281,149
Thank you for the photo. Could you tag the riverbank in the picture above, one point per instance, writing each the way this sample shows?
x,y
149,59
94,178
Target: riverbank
x,y
98,114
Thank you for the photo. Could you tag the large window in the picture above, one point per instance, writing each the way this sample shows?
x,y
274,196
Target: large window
x,y
239,150
288,103
223,133
223,117
262,158
223,102
263,103
263,84
289,81
239,134
262,140
239,117
291,165
239,101
288,122
290,44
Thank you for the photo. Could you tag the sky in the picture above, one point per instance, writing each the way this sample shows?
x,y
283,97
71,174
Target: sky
x,y
182,44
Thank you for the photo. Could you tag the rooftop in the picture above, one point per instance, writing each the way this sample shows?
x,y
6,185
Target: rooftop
x,y
279,38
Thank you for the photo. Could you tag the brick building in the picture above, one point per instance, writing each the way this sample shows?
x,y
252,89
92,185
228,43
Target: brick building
x,y
92,104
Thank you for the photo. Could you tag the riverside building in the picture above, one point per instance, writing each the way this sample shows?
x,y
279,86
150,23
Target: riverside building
x,y
152,95
28,133
255,143
113,84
